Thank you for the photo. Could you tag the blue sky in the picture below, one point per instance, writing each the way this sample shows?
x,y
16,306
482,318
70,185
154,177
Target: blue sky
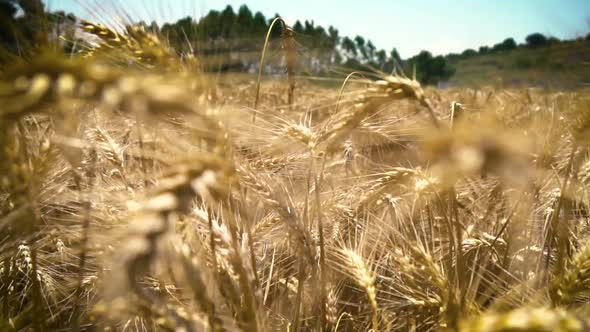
x,y
438,26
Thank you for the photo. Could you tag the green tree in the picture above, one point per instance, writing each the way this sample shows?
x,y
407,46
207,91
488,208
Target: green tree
x,y
507,45
360,45
245,20
468,53
185,31
394,55
349,47
259,24
536,40
370,52
381,58
211,25
394,61
227,20
298,27
332,43
429,69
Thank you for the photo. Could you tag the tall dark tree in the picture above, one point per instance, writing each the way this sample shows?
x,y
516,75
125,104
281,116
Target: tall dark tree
x,y
210,25
298,27
429,69
277,30
360,45
183,32
393,62
349,47
394,55
332,44
381,56
259,24
507,45
244,20
468,53
370,52
227,22
536,40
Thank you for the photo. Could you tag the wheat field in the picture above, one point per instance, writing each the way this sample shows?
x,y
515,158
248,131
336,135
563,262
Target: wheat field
x,y
158,197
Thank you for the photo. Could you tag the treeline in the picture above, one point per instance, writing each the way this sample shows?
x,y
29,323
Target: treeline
x,y
240,32
231,40
243,31
534,41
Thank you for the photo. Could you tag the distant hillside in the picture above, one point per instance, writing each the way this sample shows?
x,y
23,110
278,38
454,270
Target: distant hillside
x,y
564,64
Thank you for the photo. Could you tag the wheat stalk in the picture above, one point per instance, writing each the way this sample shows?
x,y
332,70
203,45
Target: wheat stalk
x,y
527,319
362,275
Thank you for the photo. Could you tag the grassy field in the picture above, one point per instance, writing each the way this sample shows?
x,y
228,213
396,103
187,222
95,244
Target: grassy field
x,y
561,66
155,197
